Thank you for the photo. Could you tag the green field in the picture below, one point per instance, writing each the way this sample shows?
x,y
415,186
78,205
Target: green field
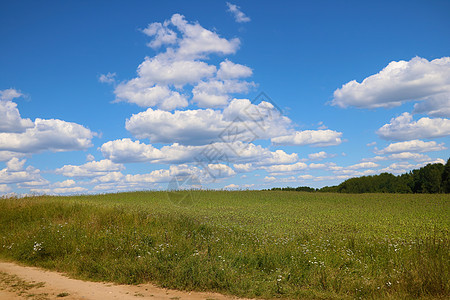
x,y
265,244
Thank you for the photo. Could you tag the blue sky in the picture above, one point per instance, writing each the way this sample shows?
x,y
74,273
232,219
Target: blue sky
x,y
132,95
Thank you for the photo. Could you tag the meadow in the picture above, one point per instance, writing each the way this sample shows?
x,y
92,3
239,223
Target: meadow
x,y
261,244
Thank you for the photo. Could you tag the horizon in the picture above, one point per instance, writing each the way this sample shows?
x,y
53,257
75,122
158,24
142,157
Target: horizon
x,y
121,96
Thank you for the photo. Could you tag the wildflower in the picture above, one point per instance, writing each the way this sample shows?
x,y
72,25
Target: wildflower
x,y
37,246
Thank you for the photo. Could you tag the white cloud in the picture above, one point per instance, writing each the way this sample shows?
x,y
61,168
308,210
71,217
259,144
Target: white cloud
x,y
436,106
409,156
10,119
398,82
239,16
109,177
203,126
248,167
52,134
269,178
215,93
16,173
147,96
197,41
4,188
10,94
7,155
417,157
230,70
412,146
403,166
15,164
59,191
161,78
58,188
163,35
363,165
310,137
320,155
219,171
64,184
318,166
19,136
231,186
281,169
90,169
404,128
127,151
161,176
107,78
160,70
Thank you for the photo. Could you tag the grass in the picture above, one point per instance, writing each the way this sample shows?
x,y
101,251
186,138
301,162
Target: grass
x,y
265,244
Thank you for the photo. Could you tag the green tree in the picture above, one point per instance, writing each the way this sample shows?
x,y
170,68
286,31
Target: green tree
x,y
446,178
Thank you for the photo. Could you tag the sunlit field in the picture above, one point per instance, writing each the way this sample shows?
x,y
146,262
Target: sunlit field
x,y
262,244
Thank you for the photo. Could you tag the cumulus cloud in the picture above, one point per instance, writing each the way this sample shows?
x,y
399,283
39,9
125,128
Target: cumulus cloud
x,y
412,146
52,134
116,181
404,128
436,106
90,169
162,79
247,167
203,126
320,155
16,173
417,157
160,70
409,156
283,169
310,137
162,34
145,96
216,93
239,16
127,151
15,164
19,136
10,119
403,166
230,70
197,41
363,165
398,82
59,191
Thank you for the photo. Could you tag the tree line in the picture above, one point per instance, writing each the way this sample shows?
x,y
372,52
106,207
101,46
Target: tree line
x,y
432,178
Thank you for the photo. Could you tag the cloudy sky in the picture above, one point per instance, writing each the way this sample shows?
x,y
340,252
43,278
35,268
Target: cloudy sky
x,y
109,96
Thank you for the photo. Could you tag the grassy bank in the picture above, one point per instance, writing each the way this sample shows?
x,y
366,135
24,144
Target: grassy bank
x,y
250,243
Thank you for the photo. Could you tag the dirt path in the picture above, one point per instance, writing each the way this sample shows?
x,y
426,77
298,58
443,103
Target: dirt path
x,y
20,282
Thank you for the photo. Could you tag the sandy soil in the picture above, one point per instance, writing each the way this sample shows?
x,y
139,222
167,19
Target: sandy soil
x,y
20,282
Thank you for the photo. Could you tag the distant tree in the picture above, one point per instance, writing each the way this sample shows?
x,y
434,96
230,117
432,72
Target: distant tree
x,y
432,178
428,179
446,178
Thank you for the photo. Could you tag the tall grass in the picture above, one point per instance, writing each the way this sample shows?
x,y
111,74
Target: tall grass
x,y
250,243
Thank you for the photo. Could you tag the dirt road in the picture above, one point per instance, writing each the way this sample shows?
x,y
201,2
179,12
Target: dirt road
x,y
20,282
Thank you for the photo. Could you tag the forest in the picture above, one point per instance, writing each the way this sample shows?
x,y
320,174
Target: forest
x,y
432,179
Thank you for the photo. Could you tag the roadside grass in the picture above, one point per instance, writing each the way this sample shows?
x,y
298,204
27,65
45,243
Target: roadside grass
x,y
265,244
